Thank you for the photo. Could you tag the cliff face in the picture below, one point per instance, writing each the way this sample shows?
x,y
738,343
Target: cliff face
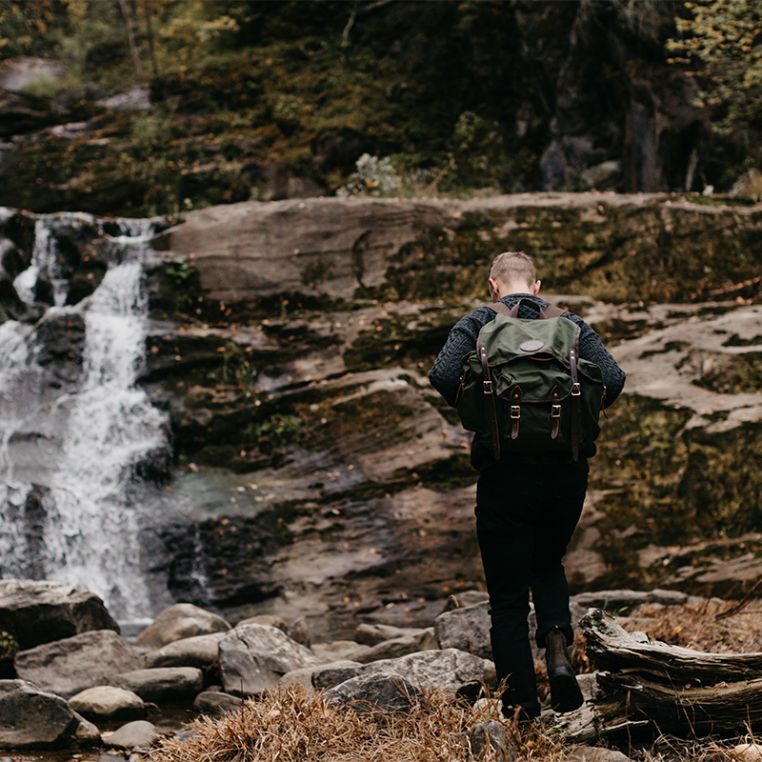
x,y
273,442
317,470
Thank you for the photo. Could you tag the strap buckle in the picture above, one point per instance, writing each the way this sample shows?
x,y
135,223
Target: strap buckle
x,y
555,410
515,412
488,386
575,392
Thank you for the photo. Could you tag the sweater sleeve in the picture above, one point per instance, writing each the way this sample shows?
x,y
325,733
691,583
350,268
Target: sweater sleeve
x,y
591,348
445,373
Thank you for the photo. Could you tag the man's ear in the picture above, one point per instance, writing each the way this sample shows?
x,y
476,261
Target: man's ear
x,y
494,289
536,287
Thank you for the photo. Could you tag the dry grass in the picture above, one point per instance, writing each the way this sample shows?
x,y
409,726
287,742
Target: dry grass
x,y
290,725
697,625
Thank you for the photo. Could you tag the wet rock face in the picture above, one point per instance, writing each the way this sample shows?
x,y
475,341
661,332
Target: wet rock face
x,y
319,473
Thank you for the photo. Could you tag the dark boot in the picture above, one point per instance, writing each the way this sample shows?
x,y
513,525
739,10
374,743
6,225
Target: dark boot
x,y
565,694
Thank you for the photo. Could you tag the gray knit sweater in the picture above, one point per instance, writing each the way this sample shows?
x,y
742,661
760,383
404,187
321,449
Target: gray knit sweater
x,y
445,374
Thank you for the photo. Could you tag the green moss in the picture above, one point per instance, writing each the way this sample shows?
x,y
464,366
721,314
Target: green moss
x,y
742,375
641,456
399,340
9,647
665,485
721,484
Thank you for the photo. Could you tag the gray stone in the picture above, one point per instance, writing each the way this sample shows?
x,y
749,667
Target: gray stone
x,y
37,612
322,676
253,658
299,631
183,620
449,670
271,619
86,732
163,684
106,702
139,734
69,666
339,649
372,634
199,651
491,735
216,703
423,640
465,628
30,717
376,693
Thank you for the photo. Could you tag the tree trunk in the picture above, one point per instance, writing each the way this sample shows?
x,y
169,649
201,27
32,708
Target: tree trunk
x,y
127,15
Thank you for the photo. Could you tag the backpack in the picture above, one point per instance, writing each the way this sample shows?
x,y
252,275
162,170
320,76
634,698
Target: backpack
x,y
525,389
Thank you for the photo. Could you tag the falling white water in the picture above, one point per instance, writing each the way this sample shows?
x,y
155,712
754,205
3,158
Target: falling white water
x,y
44,262
105,427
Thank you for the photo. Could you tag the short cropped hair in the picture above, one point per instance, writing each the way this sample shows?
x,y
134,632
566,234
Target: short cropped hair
x,y
513,265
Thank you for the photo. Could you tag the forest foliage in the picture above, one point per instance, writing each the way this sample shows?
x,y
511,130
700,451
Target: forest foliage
x,y
269,99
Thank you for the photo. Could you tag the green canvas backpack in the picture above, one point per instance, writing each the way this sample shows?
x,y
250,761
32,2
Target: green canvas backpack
x,y
525,389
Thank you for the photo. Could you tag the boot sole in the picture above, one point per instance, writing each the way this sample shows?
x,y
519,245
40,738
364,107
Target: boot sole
x,y
565,695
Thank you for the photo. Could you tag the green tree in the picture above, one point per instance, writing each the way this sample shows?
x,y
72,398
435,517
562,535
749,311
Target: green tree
x,y
719,43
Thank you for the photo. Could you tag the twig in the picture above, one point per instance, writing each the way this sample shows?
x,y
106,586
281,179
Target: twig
x,y
739,606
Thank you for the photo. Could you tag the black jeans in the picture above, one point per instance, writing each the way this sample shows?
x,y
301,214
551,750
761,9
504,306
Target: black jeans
x,y
525,516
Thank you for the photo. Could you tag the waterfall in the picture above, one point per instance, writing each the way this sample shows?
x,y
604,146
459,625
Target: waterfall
x,y
69,450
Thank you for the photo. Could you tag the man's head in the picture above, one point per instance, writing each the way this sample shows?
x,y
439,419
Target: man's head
x,y
512,272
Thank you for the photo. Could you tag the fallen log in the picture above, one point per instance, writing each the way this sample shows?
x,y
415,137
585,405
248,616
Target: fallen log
x,y
610,647
722,708
650,685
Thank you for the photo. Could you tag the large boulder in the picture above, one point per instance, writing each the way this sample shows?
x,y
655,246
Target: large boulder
x,y
69,666
163,684
199,651
31,717
183,620
253,658
36,612
105,702
450,670
465,628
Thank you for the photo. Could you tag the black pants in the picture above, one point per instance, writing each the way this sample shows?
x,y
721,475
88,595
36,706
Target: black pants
x,y
525,517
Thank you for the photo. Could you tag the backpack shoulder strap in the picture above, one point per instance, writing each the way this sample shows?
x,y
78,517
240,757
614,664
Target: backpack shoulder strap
x,y
549,312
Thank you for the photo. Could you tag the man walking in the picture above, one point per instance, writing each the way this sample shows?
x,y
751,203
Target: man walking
x,y
527,507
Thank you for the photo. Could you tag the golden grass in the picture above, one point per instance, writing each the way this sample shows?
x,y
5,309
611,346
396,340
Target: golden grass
x,y
697,626
290,725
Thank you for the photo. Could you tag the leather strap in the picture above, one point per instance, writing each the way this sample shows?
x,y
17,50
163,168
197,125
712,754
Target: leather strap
x,y
515,411
499,307
575,395
555,414
490,409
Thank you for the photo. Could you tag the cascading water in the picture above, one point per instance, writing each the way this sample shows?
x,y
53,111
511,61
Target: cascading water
x,y
69,450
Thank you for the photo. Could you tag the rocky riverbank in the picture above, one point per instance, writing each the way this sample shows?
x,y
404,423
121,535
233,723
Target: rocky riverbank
x,y
73,683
